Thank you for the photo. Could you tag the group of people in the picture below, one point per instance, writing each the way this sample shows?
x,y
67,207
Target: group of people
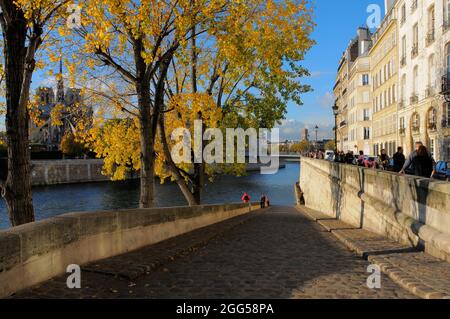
x,y
419,163
264,200
317,154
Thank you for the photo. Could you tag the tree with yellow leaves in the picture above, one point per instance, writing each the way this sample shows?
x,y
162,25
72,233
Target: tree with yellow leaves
x,y
242,72
136,41
24,24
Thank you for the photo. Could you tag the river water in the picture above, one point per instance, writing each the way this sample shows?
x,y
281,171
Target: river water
x,y
59,199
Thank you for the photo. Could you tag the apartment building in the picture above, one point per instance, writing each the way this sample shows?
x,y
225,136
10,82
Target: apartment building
x,y
409,67
340,92
421,34
384,74
352,92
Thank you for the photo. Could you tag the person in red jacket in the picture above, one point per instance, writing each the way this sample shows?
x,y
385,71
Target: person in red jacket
x,y
246,198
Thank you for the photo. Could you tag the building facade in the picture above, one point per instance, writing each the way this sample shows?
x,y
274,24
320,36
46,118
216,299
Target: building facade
x,y
384,75
45,133
409,63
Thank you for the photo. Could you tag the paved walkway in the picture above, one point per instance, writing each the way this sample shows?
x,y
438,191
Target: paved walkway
x,y
278,253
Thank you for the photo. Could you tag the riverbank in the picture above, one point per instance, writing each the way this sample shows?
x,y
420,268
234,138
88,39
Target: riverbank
x,y
52,200
56,172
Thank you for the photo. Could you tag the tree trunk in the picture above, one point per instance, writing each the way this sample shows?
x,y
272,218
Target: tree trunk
x,y
199,168
179,179
147,141
19,67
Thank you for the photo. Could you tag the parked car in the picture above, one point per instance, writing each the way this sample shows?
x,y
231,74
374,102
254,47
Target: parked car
x,y
442,171
329,155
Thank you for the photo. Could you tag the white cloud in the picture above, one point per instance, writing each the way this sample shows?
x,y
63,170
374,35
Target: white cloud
x,y
290,129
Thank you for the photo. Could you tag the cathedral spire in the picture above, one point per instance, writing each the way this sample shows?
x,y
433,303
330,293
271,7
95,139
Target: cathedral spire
x,y
60,84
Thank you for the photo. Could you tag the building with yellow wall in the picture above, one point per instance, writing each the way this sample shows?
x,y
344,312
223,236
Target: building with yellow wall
x,y
384,75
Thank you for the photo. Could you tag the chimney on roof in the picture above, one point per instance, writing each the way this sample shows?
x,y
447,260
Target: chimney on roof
x,y
388,4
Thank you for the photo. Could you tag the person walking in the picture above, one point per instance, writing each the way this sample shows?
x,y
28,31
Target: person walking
x,y
246,198
422,163
263,201
409,161
399,160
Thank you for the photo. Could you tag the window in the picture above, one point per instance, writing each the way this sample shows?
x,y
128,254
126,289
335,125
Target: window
x,y
432,119
448,58
366,115
404,47
365,79
394,95
403,14
448,114
415,80
403,89
432,147
367,133
431,71
431,23
415,123
415,47
447,18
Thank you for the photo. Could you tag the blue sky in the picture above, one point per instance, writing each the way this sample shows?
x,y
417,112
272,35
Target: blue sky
x,y
336,22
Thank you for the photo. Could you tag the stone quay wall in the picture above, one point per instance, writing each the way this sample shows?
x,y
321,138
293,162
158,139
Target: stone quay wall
x,y
52,172
409,209
36,252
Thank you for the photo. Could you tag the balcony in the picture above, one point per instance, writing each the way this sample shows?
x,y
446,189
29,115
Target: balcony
x,y
429,92
413,6
413,99
403,61
445,84
430,37
414,50
342,124
402,131
415,129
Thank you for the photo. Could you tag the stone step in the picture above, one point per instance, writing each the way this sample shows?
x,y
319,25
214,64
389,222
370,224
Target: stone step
x,y
421,274
313,214
418,272
365,243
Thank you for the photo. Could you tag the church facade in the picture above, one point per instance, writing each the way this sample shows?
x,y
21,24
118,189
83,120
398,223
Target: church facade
x,y
45,134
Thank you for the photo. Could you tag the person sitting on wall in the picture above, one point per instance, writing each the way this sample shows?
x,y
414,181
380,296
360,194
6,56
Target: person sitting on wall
x,y
371,163
410,162
383,160
361,159
399,160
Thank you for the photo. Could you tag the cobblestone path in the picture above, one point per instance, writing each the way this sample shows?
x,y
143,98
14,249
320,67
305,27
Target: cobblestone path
x,y
275,254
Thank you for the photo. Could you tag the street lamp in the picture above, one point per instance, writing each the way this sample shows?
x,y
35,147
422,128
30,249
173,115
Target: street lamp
x,y
335,113
316,129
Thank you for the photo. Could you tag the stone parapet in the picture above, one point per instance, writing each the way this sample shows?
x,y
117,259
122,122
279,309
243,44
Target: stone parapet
x,y
35,252
409,209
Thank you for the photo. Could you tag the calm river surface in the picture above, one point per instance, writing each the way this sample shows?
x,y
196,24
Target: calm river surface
x,y
55,200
